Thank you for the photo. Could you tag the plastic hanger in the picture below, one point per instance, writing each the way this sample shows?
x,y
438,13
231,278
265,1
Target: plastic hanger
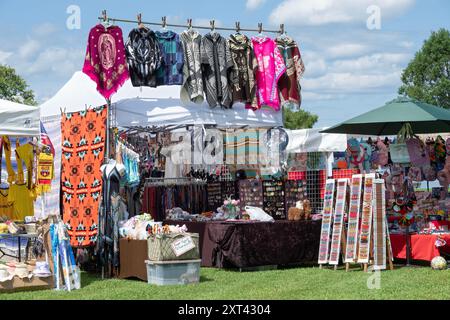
x,y
106,22
213,27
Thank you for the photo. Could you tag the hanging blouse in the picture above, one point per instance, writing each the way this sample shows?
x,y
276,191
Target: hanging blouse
x,y
192,88
270,68
105,61
216,63
243,84
289,84
171,70
143,56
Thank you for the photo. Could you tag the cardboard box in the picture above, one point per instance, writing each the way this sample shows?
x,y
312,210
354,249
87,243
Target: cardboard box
x,y
26,284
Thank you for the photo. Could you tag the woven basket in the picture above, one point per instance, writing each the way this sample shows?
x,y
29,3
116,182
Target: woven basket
x,y
159,247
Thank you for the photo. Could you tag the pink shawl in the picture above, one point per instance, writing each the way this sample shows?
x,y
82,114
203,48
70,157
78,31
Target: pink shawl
x,y
270,68
105,61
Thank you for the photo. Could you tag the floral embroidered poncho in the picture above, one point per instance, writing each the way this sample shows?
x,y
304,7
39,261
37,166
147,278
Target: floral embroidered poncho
x,y
289,84
105,61
270,68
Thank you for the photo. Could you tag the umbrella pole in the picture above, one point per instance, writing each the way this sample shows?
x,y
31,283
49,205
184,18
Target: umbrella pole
x,y
408,248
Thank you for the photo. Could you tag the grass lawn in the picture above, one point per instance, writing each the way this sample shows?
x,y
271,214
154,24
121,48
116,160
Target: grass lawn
x,y
296,283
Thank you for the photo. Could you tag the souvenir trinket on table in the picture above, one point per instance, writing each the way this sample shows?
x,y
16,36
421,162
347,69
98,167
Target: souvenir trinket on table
x,y
274,202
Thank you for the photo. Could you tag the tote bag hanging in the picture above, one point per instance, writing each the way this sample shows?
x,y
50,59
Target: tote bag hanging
x,y
399,153
417,152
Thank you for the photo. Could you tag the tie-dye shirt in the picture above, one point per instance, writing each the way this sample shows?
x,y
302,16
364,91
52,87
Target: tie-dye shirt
x,y
270,68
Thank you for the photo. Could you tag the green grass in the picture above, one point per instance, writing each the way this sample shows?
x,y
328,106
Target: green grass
x,y
296,283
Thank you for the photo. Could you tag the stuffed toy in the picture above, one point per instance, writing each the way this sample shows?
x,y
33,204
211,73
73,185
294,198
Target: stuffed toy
x,y
443,177
307,209
367,155
294,214
355,154
380,154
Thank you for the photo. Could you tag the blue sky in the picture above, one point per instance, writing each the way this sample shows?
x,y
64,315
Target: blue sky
x,y
349,68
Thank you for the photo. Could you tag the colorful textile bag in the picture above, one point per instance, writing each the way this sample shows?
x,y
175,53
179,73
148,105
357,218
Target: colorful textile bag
x,y
417,152
399,153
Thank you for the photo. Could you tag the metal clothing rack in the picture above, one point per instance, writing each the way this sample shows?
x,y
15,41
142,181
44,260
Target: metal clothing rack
x,y
155,182
189,25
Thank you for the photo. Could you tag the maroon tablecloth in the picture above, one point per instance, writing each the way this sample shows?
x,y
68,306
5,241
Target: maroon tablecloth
x,y
242,245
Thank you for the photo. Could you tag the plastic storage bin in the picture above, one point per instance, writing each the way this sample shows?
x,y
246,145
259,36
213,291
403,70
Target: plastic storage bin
x,y
176,272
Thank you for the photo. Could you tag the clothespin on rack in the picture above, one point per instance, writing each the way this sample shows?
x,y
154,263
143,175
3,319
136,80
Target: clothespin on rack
x,y
212,23
282,29
139,19
189,24
260,27
238,27
164,22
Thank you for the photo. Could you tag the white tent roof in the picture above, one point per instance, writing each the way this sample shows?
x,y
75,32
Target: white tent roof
x,y
170,111
152,106
18,119
311,140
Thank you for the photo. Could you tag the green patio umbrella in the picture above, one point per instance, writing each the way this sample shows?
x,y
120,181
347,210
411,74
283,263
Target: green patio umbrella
x,y
389,119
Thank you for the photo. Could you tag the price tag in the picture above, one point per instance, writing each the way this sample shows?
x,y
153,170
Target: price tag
x,y
182,245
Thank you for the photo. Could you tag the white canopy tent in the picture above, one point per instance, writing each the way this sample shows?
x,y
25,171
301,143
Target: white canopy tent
x,y
19,120
311,140
152,107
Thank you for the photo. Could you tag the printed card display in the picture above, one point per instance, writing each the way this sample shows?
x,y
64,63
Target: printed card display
x,y
182,245
327,215
366,220
353,218
338,220
379,225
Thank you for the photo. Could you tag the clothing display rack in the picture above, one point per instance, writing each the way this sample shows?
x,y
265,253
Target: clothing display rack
x,y
152,182
164,24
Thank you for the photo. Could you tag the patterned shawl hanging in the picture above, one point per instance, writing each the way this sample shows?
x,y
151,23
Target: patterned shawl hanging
x,y
83,146
105,61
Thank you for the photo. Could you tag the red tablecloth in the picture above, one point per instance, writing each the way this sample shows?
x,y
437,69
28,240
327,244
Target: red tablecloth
x,y
422,246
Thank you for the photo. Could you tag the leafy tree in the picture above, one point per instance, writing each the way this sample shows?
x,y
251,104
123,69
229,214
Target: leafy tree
x,y
427,77
14,88
299,119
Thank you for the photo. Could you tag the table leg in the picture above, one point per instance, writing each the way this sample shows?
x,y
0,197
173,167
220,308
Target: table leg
x,y
20,255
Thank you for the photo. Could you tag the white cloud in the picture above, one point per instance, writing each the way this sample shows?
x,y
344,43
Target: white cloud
x,y
347,50
4,55
44,29
59,61
29,49
374,63
320,12
350,82
254,4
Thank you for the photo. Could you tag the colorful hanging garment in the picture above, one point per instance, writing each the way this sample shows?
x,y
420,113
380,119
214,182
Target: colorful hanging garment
x,y
171,70
289,84
105,61
270,68
143,56
83,146
243,85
